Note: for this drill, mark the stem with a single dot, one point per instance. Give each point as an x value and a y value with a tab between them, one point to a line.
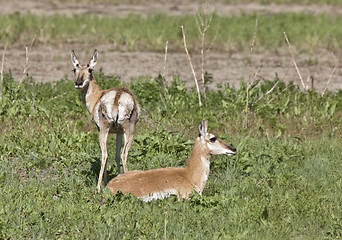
28	51
2	72
192	69
294	62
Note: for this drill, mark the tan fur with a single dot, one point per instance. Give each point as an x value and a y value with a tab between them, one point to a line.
160	183
106	114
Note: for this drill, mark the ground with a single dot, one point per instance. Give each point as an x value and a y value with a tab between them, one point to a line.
50	63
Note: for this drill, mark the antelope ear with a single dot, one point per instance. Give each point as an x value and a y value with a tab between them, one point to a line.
203	128
93	60
74	58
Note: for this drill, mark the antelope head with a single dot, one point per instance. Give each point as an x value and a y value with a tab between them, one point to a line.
215	145
83	73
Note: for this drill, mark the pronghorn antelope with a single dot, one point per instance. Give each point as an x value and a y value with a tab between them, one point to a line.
163	182
115	110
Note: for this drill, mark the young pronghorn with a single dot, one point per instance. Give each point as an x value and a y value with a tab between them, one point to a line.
115	110
163	182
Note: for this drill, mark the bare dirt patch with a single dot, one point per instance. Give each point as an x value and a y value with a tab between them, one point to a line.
51	63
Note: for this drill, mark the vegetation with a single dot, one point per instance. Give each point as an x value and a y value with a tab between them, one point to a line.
334	2
135	32
285	181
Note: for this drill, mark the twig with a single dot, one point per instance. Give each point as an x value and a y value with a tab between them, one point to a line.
203	26
192	69
255	76
331	74
268	92
254	34
28	51
213	41
165	58
246	110
249	70
202	64
276	96
164	76
2	71
294	61
257	71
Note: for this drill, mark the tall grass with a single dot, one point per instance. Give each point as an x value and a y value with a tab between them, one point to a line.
135	32
285	181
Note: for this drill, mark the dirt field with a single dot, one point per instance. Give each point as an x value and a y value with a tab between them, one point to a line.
50	63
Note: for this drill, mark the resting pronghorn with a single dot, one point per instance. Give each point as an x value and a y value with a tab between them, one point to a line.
114	110
163	182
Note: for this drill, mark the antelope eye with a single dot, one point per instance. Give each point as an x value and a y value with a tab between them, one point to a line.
213	139
77	65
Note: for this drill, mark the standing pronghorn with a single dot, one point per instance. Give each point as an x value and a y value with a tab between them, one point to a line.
163	182
115	110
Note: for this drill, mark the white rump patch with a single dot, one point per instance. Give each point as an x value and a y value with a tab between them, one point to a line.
159	195
125	107
108	101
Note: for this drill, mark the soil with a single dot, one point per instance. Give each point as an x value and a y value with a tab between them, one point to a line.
50	63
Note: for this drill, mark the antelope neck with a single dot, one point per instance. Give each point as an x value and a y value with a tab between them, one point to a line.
198	166
91	95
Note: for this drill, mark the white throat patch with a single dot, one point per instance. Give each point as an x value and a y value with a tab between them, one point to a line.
204	174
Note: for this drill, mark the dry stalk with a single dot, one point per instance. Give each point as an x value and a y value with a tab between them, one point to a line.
294	62
28	51
257	71
2	71
249	70
165	58
203	22
268	92
276	96
192	69
331	74
163	87
246	110
213	41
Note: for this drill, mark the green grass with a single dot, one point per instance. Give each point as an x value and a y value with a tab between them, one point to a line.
138	33
285	182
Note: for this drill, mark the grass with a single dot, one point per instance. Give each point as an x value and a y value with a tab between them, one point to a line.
134	32
285	181
334	2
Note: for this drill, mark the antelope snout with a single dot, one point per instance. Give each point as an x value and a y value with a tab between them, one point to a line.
232	150
78	84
